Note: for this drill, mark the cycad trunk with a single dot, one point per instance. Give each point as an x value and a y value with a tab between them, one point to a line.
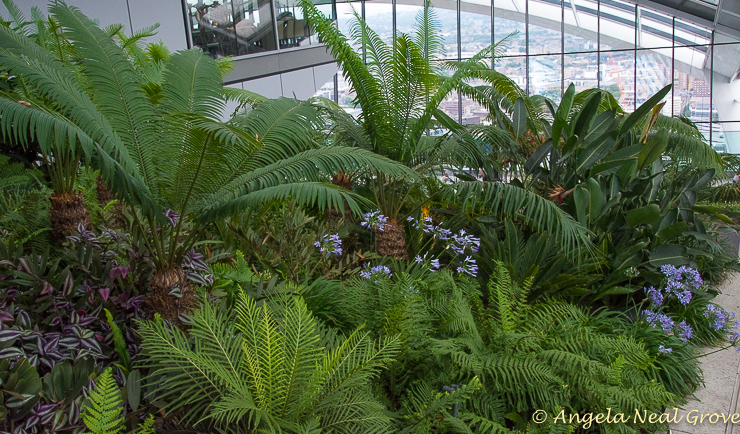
392	240
67	211
344	181
104	197
168	306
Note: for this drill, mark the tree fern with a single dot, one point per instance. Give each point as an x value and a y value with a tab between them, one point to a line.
267	368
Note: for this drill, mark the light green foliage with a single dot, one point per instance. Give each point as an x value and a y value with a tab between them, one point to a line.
102	414
526	356
268	369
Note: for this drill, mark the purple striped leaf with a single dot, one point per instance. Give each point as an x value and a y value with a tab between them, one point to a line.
47	289
11	352
68	284
24	264
7	336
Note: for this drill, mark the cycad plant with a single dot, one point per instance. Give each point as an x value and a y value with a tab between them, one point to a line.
267	369
399	87
159	141
62	156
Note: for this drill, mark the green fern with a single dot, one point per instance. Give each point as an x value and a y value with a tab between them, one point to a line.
102	414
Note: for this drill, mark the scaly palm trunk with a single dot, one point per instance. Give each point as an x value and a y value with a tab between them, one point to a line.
392	240
160	300
104	197
67	211
344	181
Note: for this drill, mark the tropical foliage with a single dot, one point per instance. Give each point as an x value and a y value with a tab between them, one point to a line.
167	266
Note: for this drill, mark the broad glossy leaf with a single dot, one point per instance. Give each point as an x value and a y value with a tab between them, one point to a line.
539	155
587	114
643	110
133	387
653	149
673	231
645	215
581	201
597	198
595	152
669	254
519	118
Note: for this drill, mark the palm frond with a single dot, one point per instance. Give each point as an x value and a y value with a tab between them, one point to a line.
510	201
686	143
119	95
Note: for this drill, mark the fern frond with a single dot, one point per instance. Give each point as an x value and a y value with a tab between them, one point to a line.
102	415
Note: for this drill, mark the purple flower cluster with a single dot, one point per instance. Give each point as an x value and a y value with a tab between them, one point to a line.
681	282
685	332
426	225
462	242
719	317
468	266
665	350
330	244
655	318
656	296
681	279
435	265
376	272
374	220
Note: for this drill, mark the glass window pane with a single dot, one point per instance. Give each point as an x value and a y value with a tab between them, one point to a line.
474	113
291	26
212	27
582	70
327	90
475	26
691	57
545	17
726	87
691	93
730	133
719	137
325	7
515	68
654	71
655	31
379	16
254	28
508	17
581	25
616	25
345	15
544	76
447	13
406	16
345	93
726	60
689	34
618	77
